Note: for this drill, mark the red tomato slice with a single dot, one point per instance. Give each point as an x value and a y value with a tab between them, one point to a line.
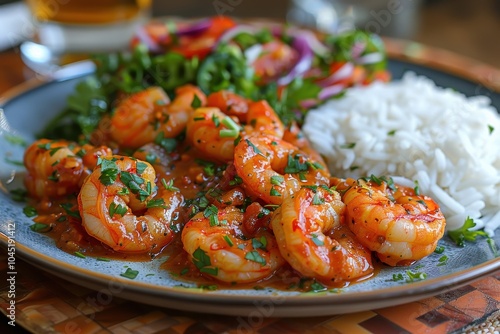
276	59
200	46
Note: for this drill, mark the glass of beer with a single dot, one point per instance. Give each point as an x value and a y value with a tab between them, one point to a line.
82	27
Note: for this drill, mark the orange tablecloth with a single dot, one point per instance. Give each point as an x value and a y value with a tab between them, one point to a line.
45	304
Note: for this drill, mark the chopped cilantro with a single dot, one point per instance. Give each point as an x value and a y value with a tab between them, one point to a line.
443	260
254	148
317	200
228	240
439	250
39	227
130	273
415	276
156	203
68	209
463	234
29	211
196	103
141	167
274	192
294	165
168	144
255	257
117	209
169	185
80	255
316	240
348	145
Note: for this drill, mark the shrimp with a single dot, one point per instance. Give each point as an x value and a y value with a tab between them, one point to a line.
395	222
229	103
218	248
204	132
312	238
258	116
272	169
111	196
261	118
294	135
57	168
140	118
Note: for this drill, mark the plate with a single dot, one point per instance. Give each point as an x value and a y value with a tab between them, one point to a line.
27	112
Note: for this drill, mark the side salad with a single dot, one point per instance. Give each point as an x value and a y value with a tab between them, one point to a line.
293	69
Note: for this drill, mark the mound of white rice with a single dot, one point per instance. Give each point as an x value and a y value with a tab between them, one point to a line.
413	130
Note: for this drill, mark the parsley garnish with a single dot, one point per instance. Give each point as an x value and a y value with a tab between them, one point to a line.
109	171
277	180
317	200
68	209
415	276
464	233
348	145
80	255
196	103
202	261
39	227
318	242
141	167
443	260
169	185
294	165
274	192
168	144
130	273
254	148
117	209
228	240
255	257
29	211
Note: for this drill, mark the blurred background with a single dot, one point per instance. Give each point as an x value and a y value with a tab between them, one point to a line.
471	28
466	27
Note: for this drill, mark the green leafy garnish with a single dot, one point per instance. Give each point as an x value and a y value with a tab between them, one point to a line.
318	242
202	261
130	273
29	211
68	208
80	255
463	234
277	180
415	276
117	209
255	257
196	102
41	228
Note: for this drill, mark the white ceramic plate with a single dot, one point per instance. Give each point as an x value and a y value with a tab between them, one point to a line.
27	112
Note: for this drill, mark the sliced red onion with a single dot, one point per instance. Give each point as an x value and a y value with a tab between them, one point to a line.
231	33
313	41
328	92
357	49
146	39
344	72
194	28
304	62
370	58
309	103
317	47
252	53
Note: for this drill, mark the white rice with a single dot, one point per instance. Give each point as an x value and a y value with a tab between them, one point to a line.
441	139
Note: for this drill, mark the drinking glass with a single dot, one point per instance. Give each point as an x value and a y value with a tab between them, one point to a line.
66	30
